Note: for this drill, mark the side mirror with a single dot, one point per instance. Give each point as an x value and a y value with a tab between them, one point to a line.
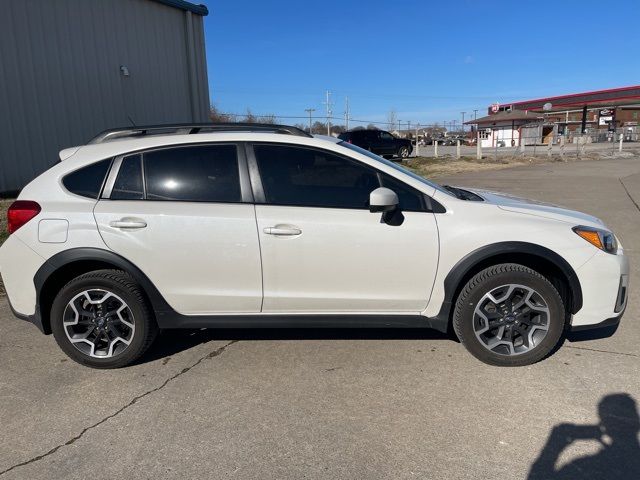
383	200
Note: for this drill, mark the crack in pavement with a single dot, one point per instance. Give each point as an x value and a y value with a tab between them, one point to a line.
629	194
135	400
603	351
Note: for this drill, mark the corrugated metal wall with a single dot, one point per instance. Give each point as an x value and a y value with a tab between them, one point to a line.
61	82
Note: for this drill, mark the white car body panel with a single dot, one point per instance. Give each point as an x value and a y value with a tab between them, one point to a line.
346	261
203	257
461	234
18	263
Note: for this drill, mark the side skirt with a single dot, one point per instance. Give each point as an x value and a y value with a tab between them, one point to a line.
170	320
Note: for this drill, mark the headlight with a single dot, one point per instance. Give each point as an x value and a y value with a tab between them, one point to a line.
603	239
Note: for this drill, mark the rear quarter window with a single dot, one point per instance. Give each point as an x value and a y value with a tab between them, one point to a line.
87	181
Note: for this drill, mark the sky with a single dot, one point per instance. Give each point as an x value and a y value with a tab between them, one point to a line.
428	61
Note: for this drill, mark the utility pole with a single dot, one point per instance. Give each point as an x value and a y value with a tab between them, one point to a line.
346	112
399	126
309	111
329	112
463	120
475	112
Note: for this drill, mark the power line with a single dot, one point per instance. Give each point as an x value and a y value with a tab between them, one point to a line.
310	116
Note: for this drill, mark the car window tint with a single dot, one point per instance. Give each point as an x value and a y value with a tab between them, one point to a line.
386	136
128	184
88	180
411	200
310	177
193	174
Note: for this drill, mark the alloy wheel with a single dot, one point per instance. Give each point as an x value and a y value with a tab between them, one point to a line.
511	319
98	323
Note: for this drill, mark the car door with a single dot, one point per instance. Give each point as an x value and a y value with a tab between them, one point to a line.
377	146
322	250
388	143
184	216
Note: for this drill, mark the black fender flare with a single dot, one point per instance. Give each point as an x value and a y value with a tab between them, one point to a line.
62	259
464	265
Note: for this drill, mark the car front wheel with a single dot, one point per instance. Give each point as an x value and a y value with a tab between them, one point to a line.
101	319
509	315
403	152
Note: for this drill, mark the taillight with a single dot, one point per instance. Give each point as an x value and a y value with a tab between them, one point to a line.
20	212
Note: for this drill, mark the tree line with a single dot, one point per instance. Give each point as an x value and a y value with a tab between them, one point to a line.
318	127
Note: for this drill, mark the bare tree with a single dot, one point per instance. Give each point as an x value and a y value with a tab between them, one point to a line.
359	127
371	126
392	119
269	118
250	117
337	129
216	116
319	128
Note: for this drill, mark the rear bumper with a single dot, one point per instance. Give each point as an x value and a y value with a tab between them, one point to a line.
36	319
18	264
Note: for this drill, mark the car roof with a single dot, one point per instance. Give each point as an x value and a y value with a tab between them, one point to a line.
122	146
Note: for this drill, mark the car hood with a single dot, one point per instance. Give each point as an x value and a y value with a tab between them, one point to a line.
512	203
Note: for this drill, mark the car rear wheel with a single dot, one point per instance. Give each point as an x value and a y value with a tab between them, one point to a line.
403	152
509	315
101	319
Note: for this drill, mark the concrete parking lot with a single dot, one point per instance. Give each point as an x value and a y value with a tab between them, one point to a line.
340	404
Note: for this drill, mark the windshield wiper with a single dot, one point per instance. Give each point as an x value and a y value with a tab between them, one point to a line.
455	191
463	194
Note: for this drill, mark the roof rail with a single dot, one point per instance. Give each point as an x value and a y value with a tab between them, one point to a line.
193	128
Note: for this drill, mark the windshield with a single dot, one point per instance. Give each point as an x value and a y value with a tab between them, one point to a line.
395	166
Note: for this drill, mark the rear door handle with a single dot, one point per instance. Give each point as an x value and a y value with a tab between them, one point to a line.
128	223
281	230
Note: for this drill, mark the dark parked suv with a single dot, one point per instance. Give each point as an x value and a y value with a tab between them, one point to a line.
379	142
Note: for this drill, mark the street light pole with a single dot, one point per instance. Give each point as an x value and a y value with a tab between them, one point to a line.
463	120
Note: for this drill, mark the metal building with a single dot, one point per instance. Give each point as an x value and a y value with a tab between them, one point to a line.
71	68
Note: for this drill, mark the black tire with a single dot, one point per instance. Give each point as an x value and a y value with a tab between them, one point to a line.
403	152
493	278
122	285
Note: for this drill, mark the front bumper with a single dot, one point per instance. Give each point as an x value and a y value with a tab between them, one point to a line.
605	289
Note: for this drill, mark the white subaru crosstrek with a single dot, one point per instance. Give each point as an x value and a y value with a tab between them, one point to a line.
194	226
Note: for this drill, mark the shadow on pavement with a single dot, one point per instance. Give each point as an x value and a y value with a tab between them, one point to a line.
617	433
171	342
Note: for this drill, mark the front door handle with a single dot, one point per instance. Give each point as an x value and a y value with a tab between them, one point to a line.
128	223
282	230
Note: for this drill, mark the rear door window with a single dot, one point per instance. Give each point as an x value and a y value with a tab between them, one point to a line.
128	184
206	173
